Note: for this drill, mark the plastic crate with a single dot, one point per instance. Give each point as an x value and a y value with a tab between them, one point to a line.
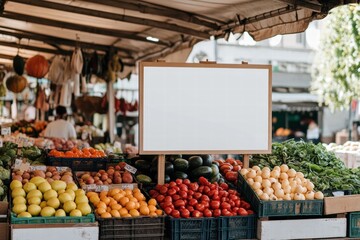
279	208
148	228
191	228
237	227
354	225
79	164
90	218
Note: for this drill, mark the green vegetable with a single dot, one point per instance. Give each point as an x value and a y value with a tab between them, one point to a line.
4	173
322	167
181	164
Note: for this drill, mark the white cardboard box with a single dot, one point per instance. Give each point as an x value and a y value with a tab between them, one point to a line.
79	231
301	229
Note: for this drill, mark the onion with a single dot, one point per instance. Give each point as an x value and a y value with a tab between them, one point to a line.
287	197
275	174
279	193
259	192
258	173
299	175
291	173
265	174
284	168
256	168
285	183
276	168
250	181
276	186
256	185
287	189
283	176
244	171
310	186
319	195
292	195
251	174
266	169
268	190
264	197
310	195
273	180
299	196
266	183
258	179
273	197
299	189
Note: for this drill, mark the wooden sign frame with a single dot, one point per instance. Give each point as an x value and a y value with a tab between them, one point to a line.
201	65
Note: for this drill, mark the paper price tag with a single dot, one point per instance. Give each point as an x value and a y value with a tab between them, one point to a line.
5	131
100	188
62	169
17	164
130	168
1	143
34	168
91	187
127	186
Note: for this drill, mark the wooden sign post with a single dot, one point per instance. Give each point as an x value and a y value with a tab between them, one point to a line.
204	108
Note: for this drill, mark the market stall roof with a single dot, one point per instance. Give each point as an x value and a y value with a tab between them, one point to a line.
147	29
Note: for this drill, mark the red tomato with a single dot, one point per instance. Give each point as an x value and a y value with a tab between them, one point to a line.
233	197
183	187
166	185
231	161
200	207
183	194
216	197
226	212
217	213
190	208
197	195
181	207
223	199
178	181
155	194
224	186
232	191
175	213
194	186
201	189
206	190
224	205
231	176
232	203
213	186
226	168
203	181
163	190
235	209
222	193
166	204
190	192
176	188
175	197
189	197
158	186
186	181
168	210
196	214
207	213
242	212
250	212
215	204
171	192
236	168
185	213
245	205
213	192
239	162
168	199
193	202
160	198
179	203
172	184
237	203
206	204
152	192
205	198
162	204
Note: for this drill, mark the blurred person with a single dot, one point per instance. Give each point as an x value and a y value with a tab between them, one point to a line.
313	132
60	128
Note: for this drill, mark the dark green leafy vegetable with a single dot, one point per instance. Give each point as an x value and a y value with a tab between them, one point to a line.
322	167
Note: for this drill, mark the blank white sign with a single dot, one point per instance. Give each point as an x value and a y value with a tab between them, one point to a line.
205	108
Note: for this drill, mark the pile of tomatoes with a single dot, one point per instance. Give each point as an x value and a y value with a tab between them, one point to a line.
229	168
77	153
182	198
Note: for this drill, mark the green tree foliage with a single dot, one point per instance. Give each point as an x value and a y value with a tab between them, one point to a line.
336	71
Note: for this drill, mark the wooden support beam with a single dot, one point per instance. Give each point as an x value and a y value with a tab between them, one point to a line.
34	48
315	7
161	11
55	40
80	27
8	57
117	17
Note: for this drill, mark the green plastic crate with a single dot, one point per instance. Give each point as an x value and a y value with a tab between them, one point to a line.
354	225
237	227
279	208
90	218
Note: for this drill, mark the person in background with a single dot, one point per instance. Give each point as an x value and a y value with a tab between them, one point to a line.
313	132
60	128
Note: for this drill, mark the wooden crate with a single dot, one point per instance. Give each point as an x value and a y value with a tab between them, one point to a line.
342	204
317	228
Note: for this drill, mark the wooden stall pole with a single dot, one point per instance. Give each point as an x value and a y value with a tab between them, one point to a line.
111	110
246	160
161	169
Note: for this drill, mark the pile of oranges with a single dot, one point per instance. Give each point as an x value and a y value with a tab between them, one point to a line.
123	203
77	153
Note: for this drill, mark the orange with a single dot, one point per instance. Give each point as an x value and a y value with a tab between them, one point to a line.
139	196
106	200
144	210
124	201
101	205
159	212
112	201
123	212
133	199
127	215
115	213
134	213
114	191
94	199
152	208
136	190
153	214
100	211
103	194
108	209
137	205
128	192
143	203
118	196
106	215
116	207
152	202
90	194
130	205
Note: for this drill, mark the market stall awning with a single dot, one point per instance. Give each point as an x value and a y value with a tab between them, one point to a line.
148	29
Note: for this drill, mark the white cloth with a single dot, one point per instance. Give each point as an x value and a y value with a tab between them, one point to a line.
313	133
60	129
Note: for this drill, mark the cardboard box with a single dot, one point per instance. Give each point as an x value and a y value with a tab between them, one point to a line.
4	208
4	231
324	228
341	204
76	231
